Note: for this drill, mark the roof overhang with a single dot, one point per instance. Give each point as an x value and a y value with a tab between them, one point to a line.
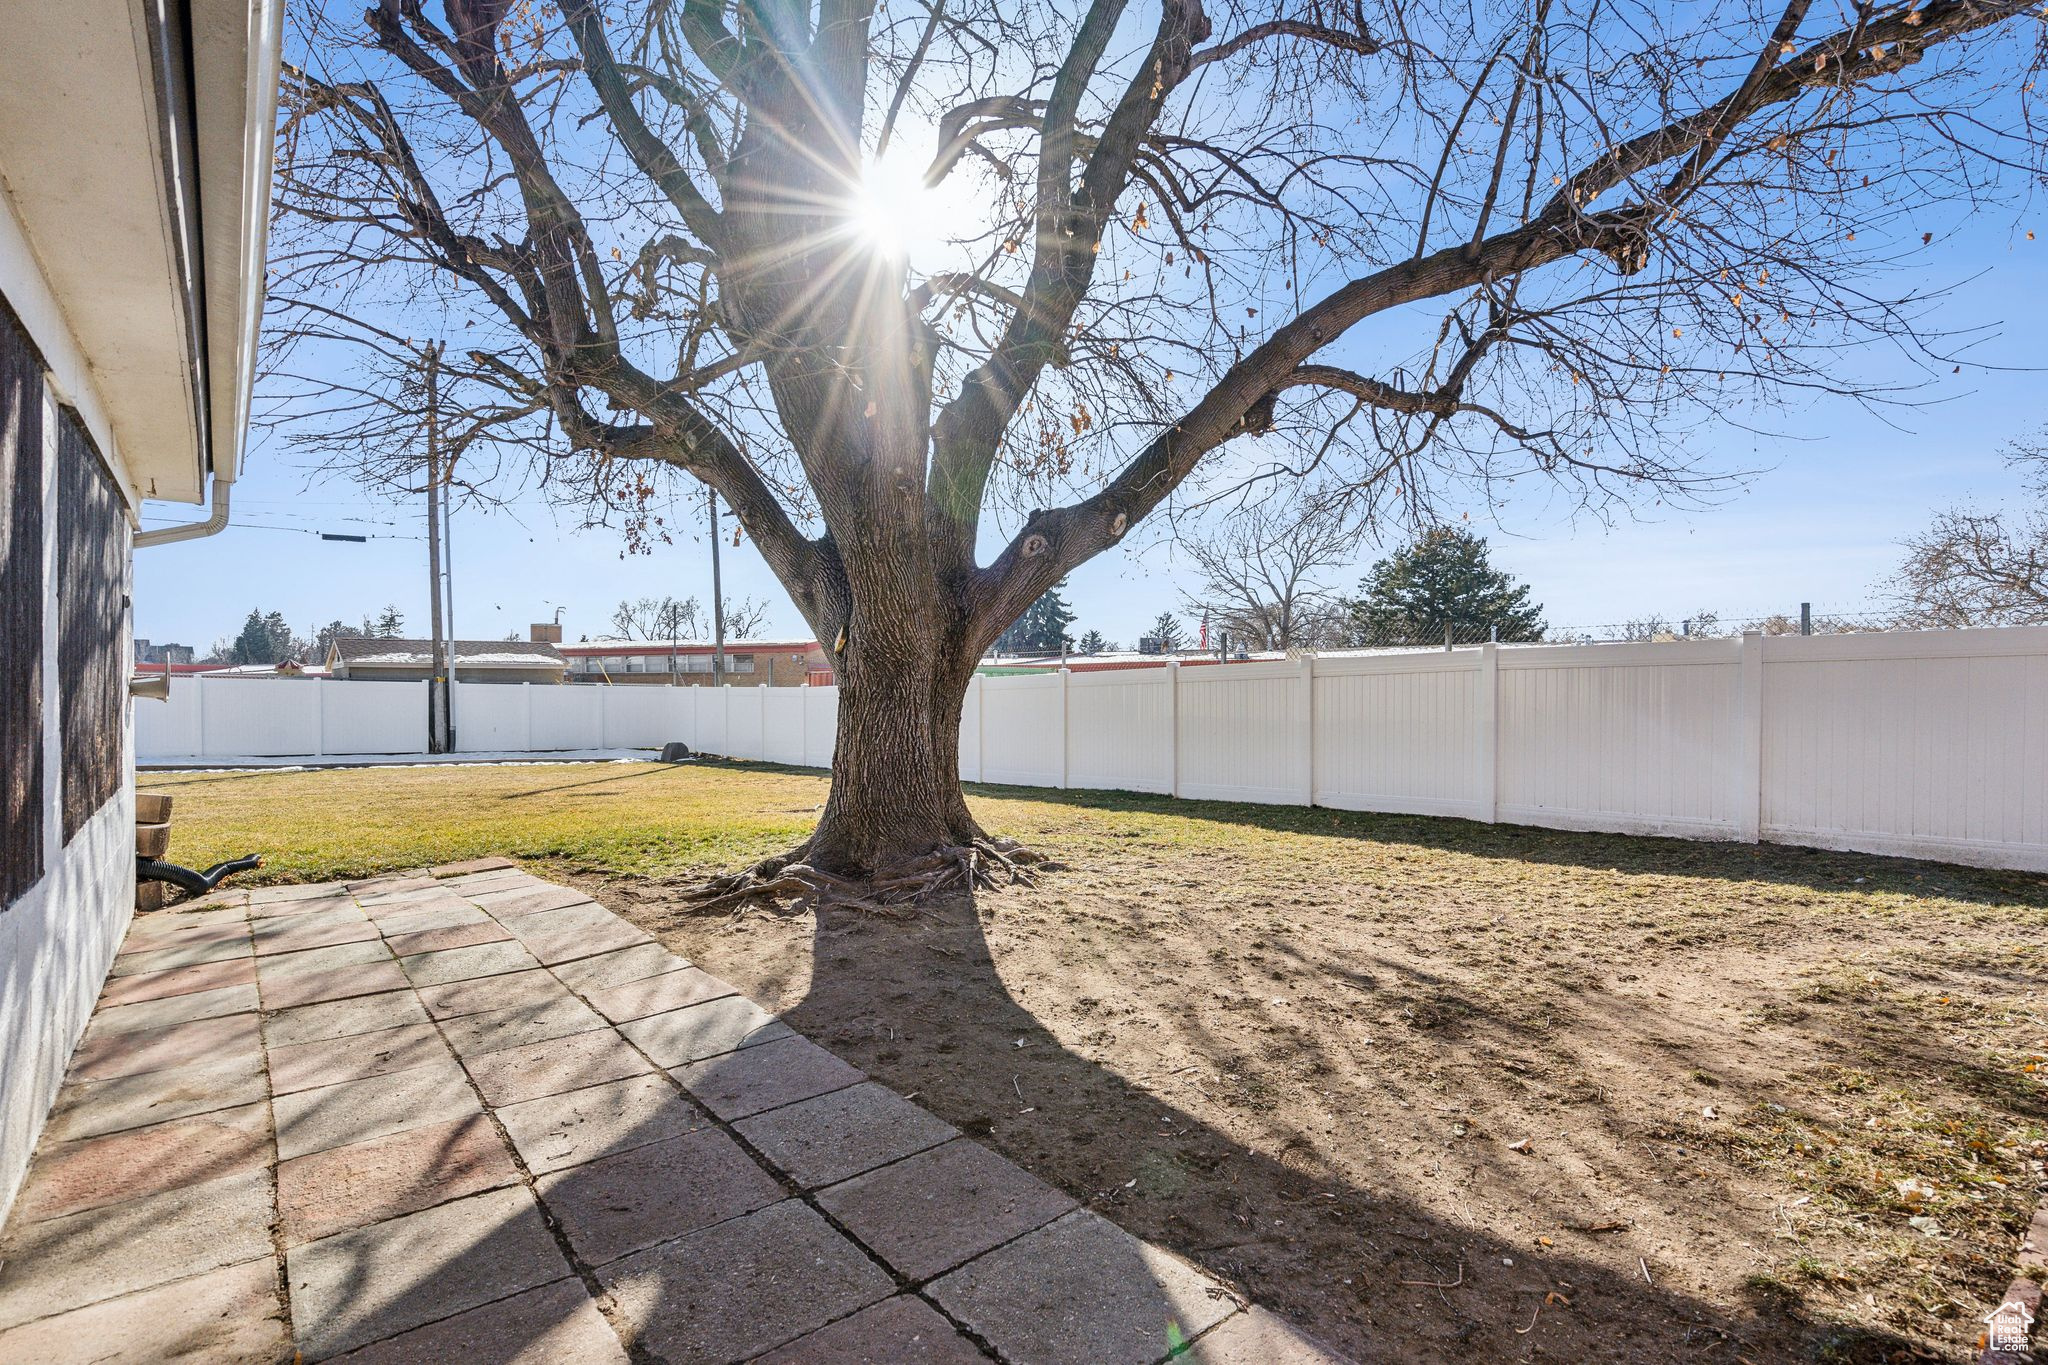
135	140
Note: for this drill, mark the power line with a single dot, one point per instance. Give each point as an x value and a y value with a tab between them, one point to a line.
300	531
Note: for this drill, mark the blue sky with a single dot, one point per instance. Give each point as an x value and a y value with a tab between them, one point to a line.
1840	487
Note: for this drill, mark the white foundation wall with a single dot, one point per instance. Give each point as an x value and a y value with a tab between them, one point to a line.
56	944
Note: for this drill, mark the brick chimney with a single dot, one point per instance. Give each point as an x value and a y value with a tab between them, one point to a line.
547	632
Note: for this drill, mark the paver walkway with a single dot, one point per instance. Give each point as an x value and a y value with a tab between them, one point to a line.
476	1116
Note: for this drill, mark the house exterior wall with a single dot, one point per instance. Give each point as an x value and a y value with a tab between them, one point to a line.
70	888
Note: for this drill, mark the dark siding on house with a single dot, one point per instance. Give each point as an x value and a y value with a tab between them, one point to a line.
92	658
21	612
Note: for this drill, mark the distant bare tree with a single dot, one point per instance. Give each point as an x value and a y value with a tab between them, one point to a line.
1982	568
1261	575
652	618
1404	246
669	618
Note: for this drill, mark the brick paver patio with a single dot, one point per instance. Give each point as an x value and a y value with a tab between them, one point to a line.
475	1116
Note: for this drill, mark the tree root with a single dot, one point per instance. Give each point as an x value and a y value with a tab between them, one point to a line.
790	882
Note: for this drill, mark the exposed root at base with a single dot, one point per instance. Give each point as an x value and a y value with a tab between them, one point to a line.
788	881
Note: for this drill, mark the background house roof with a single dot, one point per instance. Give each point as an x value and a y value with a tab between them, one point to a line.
386	652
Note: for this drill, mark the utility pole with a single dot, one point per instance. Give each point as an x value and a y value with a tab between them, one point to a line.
448	577
717	598
437	681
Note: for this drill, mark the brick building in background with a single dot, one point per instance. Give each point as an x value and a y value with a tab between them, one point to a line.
689	663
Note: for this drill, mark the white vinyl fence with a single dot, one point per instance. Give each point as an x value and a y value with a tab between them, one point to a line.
1928	744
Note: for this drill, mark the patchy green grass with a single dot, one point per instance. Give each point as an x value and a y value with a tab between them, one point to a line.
646	819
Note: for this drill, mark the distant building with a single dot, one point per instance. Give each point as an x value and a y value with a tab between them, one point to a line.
778	663
388	659
147	652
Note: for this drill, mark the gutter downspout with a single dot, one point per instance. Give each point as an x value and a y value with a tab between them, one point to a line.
215	523
266	20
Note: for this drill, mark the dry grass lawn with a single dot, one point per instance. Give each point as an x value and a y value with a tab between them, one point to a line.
1440	1091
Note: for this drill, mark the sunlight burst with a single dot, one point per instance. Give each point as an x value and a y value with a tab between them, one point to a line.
890	207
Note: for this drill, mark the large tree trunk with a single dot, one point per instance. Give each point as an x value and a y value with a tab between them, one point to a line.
896	796
896	827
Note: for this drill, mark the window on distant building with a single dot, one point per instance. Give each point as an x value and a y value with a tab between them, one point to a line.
739	663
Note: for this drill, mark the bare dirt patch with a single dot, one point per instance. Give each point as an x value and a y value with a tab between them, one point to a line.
1444	1092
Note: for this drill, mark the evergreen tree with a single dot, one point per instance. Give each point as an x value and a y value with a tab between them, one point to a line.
389	622
263	640
1442	579
1093	643
325	636
1169	632
1042	629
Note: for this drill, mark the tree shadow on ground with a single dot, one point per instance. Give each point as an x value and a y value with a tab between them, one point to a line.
1380	1271
1369	1270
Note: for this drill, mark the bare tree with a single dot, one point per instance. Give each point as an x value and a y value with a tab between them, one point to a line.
744	618
669	618
1977	568
1261	575
653	618
668	240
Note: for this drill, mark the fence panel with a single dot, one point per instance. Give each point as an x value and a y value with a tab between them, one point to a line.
564	716
259	717
821	719
1930	744
1239	732
711	713
970	731
1021	726
636	716
490	717
371	717
782	725
169	729
1637	738
743	717
1120	730
1401	733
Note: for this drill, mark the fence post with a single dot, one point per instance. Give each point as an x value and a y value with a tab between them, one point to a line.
1305	728
1173	727
1065	737
1749	791
1487	742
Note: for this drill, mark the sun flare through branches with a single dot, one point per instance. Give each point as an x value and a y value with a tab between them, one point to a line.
890	209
